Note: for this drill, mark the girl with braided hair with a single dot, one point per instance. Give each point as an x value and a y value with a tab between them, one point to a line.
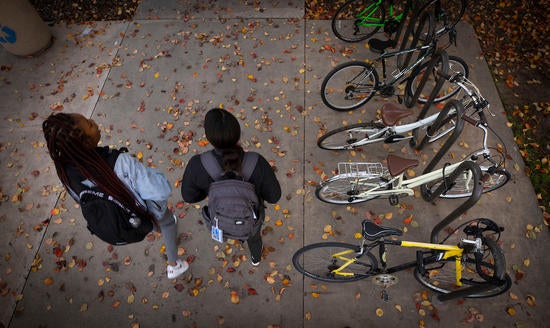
72	141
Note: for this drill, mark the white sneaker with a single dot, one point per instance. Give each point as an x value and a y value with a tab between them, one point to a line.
175	271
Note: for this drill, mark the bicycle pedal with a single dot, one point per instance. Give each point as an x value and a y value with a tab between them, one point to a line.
394	200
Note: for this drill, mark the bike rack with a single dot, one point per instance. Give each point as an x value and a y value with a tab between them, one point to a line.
471	201
459	108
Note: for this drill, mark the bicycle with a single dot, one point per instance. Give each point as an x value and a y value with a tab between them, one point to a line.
475	267
352	84
359	182
386	129
358	20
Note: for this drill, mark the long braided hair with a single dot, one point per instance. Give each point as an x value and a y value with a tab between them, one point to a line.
69	145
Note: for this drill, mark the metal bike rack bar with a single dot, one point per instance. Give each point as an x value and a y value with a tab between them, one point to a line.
471	201
459	108
439	55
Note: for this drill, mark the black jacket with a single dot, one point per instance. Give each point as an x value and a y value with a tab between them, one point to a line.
196	181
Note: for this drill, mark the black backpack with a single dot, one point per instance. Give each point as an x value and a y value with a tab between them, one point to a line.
106	217
232	202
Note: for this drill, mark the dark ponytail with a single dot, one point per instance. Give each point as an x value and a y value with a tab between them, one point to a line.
224	132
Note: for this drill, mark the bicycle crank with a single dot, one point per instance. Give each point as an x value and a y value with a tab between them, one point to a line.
385	280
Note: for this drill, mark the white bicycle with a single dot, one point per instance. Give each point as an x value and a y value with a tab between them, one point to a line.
360	182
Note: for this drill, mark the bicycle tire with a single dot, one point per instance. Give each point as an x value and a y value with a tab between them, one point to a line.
358	20
342	93
344	189
448	90
448	14
316	261
441	277
351	136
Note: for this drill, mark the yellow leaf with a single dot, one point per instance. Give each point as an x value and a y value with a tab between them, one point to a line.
511	311
139	155
531	300
157	75
48	281
131	298
315	294
398	307
235	297
379	312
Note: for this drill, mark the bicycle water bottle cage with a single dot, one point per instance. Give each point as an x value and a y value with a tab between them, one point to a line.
371	231
379	46
398	165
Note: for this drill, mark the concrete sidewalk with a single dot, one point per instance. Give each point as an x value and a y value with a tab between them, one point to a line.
148	84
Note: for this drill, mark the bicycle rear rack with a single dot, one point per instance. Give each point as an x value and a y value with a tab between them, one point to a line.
357	170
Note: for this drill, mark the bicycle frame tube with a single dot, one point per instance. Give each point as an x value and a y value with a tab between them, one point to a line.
365	18
347	261
430	176
411	126
402	186
420	60
449	252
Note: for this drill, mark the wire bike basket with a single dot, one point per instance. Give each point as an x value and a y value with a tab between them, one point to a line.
361	170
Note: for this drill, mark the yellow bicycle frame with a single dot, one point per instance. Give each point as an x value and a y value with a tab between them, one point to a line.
450	251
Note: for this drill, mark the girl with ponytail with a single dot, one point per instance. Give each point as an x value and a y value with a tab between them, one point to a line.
223	131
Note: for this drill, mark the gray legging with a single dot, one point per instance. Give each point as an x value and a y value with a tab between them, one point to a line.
168	228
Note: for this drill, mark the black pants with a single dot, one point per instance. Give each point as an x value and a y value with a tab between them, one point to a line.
255	245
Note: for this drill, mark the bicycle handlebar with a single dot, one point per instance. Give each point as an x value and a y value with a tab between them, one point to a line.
478	101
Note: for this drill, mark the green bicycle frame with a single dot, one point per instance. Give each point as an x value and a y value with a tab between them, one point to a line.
366	18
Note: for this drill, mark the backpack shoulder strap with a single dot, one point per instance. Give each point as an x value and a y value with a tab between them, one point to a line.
215	171
249	164
211	165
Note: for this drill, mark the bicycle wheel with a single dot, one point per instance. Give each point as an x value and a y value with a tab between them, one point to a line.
348	188
447	14
349	85
449	89
358	20
491	178
483	278
352	136
317	261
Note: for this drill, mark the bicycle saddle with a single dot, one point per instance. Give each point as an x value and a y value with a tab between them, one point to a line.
372	231
378	46
391	114
398	165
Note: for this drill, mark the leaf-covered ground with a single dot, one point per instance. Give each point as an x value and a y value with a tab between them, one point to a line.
513	35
